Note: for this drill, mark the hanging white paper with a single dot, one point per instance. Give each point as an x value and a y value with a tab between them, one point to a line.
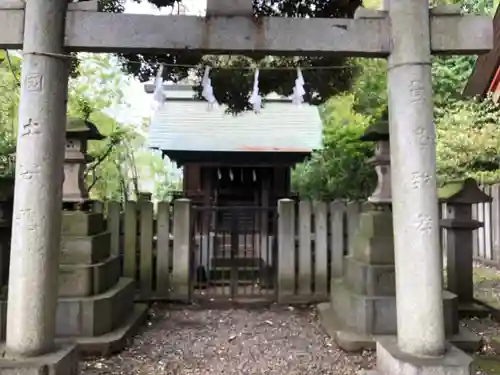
159	95
298	90
208	90
255	99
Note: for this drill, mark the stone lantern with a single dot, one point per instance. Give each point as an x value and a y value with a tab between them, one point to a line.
95	304
78	133
459	224
363	302
378	132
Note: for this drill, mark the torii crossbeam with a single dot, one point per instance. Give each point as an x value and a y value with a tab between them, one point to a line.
407	33
367	36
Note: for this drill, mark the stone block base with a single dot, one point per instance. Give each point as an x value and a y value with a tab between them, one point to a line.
391	361
84	280
63	361
85	249
352	341
376	315
95	315
111	342
473	309
78	223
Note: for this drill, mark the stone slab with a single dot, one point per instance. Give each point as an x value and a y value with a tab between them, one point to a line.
374	241
376	315
470	310
391	361
114	341
81	224
85	249
369	279
87	280
62	361
350	341
95	315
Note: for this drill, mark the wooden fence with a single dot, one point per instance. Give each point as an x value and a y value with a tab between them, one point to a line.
487	239
143	234
154	241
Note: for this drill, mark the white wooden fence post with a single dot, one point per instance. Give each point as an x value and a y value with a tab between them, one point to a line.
181	256
305	268
321	249
337	210
286	249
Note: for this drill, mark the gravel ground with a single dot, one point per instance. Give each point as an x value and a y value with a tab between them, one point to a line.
274	341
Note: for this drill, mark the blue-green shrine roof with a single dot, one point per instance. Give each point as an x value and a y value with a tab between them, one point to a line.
186	124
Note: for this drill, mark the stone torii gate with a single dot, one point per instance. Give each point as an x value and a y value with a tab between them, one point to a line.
406	33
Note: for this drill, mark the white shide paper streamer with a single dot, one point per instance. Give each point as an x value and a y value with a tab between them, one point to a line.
208	90
255	99
298	90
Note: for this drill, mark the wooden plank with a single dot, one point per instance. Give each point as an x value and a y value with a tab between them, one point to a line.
305	254
337	211
321	248
181	285
113	226
130	234
495	220
146	247
163	249
286	249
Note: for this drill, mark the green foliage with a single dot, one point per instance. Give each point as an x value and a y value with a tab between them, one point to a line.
233	89
9	100
468	141
97	86
339	170
467	136
121	158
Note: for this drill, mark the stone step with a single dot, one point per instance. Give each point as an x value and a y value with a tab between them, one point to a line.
95	315
86	249
86	280
376	315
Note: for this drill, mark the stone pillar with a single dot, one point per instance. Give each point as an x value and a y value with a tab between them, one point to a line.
413	158
286	249
363	303
36	230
